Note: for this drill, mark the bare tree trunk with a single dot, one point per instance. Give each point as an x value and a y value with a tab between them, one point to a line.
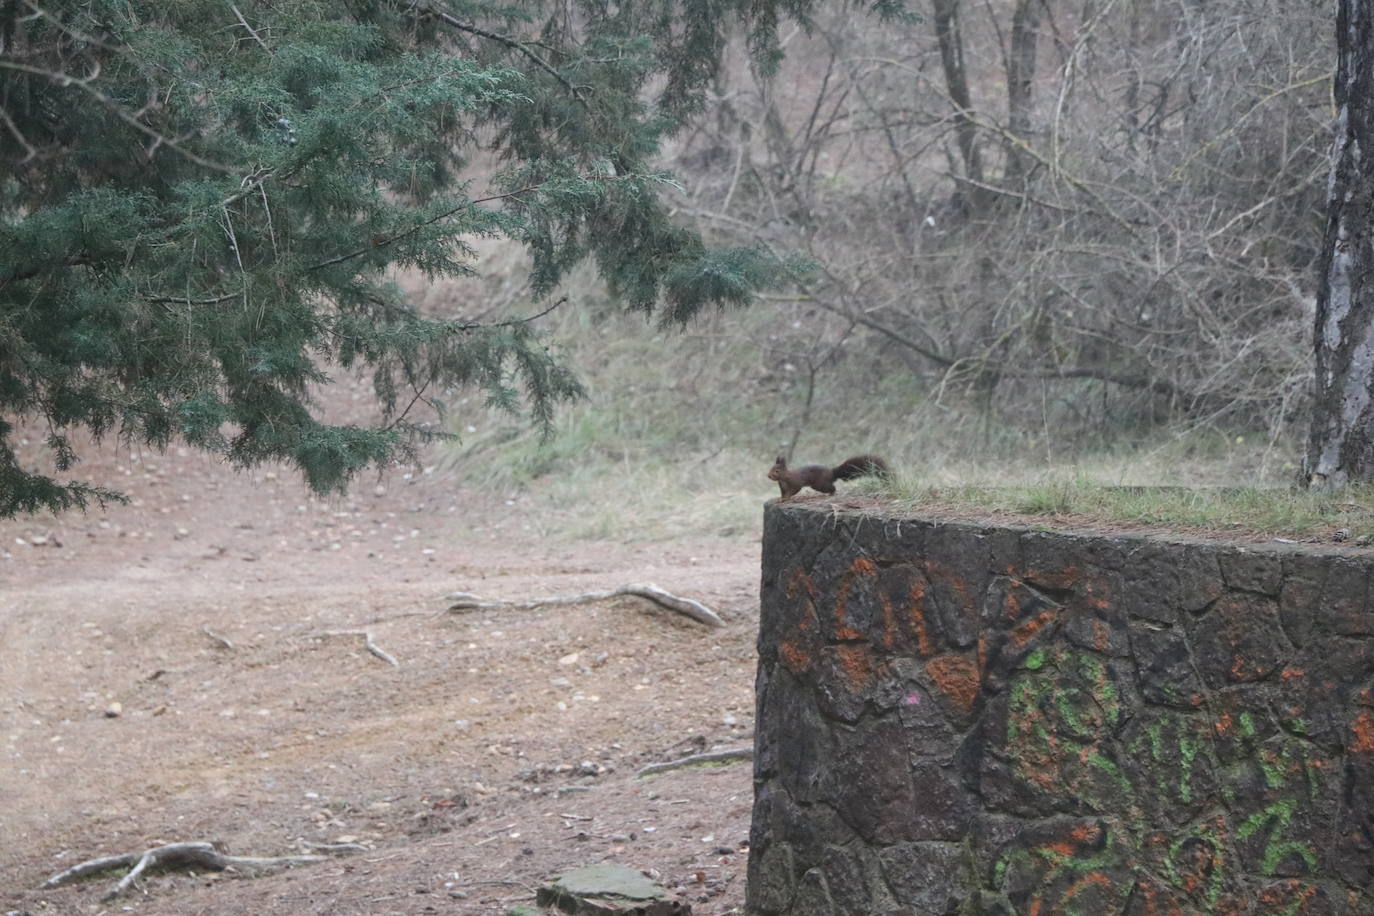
1025	34
1340	446
956	84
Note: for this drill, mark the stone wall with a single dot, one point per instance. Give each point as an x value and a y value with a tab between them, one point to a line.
965	719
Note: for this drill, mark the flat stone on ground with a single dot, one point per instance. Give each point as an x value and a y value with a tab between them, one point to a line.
605	889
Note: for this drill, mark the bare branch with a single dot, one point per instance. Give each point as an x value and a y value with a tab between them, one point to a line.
251	30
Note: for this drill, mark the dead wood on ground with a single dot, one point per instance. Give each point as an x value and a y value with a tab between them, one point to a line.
174	855
367	644
726	756
463	601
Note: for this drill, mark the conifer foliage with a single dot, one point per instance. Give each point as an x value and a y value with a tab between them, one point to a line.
200	202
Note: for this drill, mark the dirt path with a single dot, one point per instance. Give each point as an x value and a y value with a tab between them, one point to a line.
501	750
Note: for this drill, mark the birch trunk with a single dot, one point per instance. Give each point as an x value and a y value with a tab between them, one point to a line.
1340	446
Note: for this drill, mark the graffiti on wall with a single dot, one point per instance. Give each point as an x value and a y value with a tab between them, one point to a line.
1069	726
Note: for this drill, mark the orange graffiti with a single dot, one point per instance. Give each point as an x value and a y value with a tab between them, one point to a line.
1362	734
1078	836
1097	594
889	622
1011	608
1102	635
1022	635
1092	879
797	652
1153	906
935	570
1287	892
799	580
957	678
857	664
862	567
918	618
1064	578
794	657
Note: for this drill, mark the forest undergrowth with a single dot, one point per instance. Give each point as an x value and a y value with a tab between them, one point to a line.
678	428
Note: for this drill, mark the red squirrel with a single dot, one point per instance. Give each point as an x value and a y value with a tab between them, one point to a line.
820	478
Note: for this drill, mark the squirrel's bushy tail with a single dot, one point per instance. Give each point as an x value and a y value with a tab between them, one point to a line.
860	465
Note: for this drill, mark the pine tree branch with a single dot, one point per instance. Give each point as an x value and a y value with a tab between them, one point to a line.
66	80
387	240
186	300
67	29
509	42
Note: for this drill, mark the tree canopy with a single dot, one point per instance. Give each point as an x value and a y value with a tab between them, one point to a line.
202	203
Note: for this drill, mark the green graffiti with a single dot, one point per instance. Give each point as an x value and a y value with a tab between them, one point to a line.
1071	711
1156	742
1111	769
1188	747
1275	765
1272	770
1095	671
1279	813
1215	876
1060	712
1172	742
1054	864
1293	909
1025	711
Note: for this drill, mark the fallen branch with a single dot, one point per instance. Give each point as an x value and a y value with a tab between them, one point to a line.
174	855
727	756
336	847
367	644
686	606
222	640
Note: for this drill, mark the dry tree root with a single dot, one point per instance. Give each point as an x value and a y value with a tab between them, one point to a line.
686	606
726	756
174	855
367	644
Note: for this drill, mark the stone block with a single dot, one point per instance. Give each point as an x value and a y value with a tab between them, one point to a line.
1165	662
1239	640
1248	570
928	879
868	781
959	718
1344	608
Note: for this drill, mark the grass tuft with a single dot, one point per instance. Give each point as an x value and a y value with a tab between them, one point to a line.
1272	511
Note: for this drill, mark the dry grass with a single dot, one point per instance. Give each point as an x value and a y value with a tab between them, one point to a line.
680	426
1275	511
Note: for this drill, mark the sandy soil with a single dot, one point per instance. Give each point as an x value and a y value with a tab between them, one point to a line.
501	750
